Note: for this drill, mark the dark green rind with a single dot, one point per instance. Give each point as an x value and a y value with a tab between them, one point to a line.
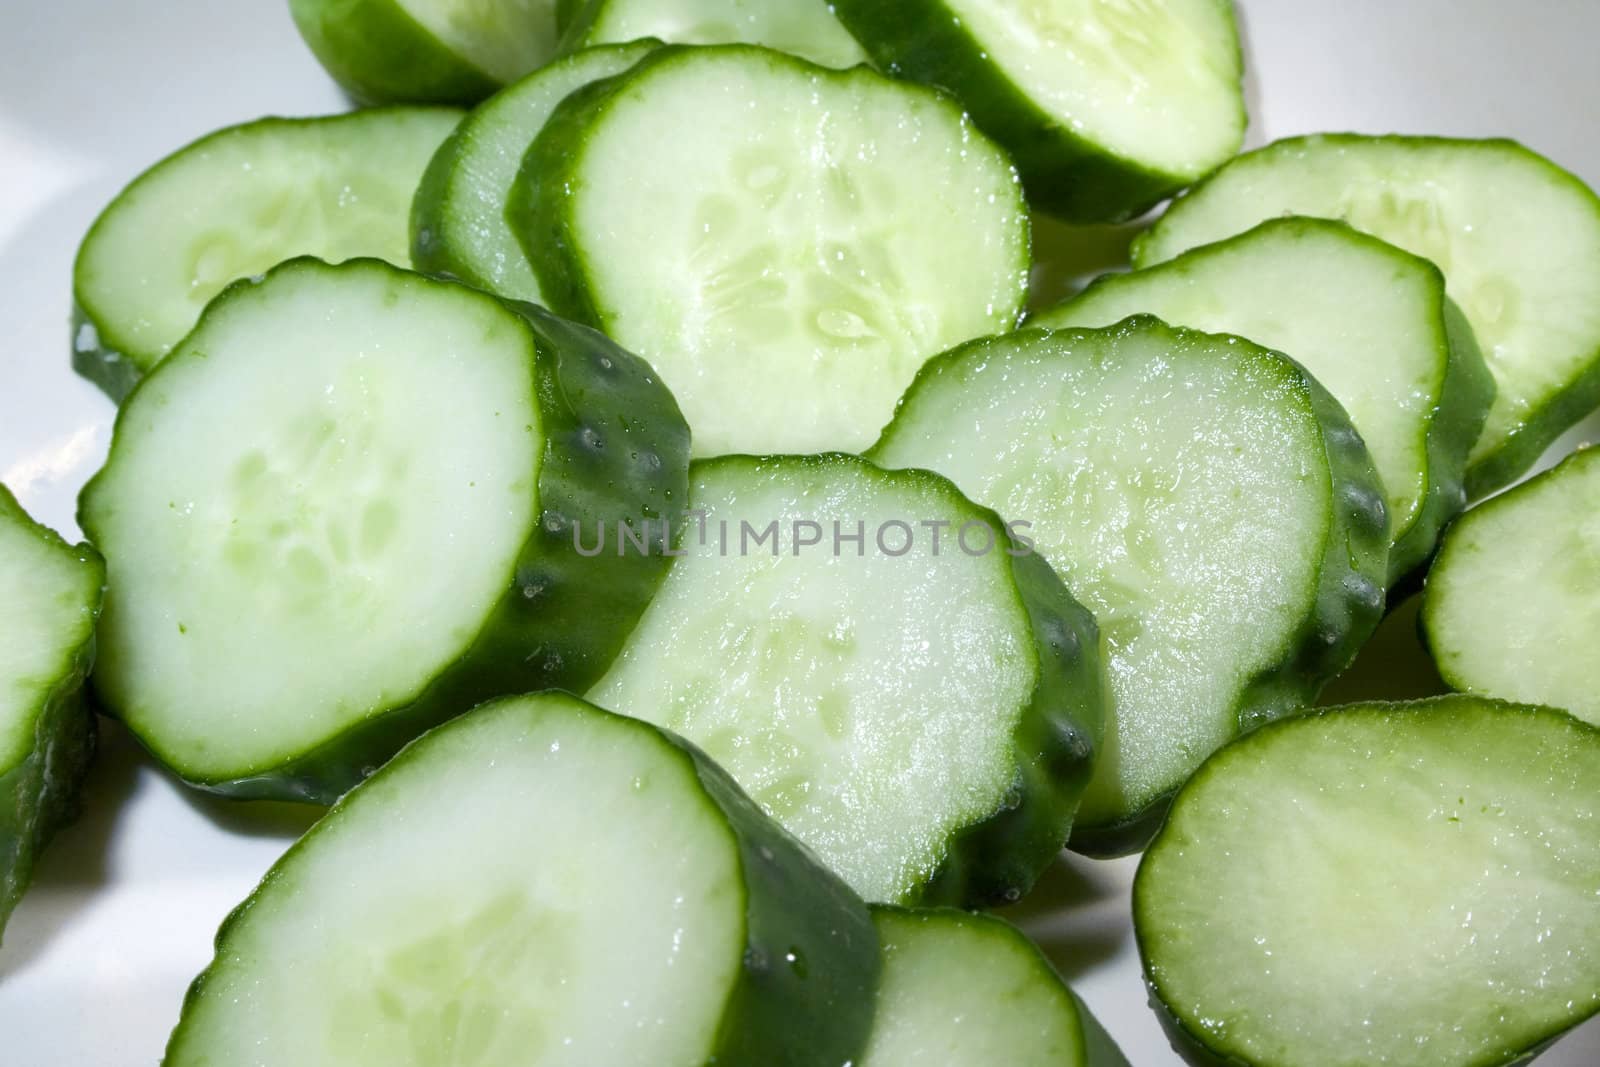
379	54
616	451
778	1015
1189	1042
39	793
566	12
1064	174
115	373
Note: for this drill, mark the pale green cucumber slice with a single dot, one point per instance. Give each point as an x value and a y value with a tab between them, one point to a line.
504	38
1512	605
1204	497
1517	237
805	28
1370	321
230	206
787	266
969	990
458	219
539	884
1380	884
922	717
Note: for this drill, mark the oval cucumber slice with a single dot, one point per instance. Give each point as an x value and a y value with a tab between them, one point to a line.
1204	497
1107	106
1517	237
1512	605
230	206
49	599
804	28
458	219
343	512
1372	323
923	718
539	883
785	281
1402	883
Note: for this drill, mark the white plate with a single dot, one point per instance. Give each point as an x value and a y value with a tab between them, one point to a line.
124	905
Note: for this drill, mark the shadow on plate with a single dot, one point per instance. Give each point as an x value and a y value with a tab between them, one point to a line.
1077	913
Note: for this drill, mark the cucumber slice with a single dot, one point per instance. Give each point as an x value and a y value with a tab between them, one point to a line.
1512	605
1380	884
232	205
458	219
539	883
343	512
966	990
427	51
49	600
923	751
805	28
1370	321
785	280
1108	106
1517	237
1204	497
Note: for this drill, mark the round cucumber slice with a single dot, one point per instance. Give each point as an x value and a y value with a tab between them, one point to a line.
1380	884
1372	323
1517	237
922	717
804	28
1107	106
458	219
1204	497
343	511
539	883
786	267
427	51
1512	605
49	599
230	206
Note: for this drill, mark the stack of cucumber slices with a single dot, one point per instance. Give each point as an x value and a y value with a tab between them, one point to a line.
638	509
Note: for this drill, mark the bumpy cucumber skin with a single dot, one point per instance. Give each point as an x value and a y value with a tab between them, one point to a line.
1064	174
379	54
1190	1043
616	451
1541	426
814	1010
39	793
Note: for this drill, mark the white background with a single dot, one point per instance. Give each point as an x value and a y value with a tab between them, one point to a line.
124	905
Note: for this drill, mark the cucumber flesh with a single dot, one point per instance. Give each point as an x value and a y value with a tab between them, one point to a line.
1202	496
1370	321
503	38
538	883
804	28
969	990
920	750
230	206
786	282
1380	884
1512	606
1517	237
458	219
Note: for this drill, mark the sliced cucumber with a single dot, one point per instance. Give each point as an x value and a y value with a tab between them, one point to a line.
1207	500
923	718
539	883
343	511
1512	606
232	205
1380	884
427	51
805	28
49	599
1108	106
1370	321
458	219
787	266
966	990
1517	237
